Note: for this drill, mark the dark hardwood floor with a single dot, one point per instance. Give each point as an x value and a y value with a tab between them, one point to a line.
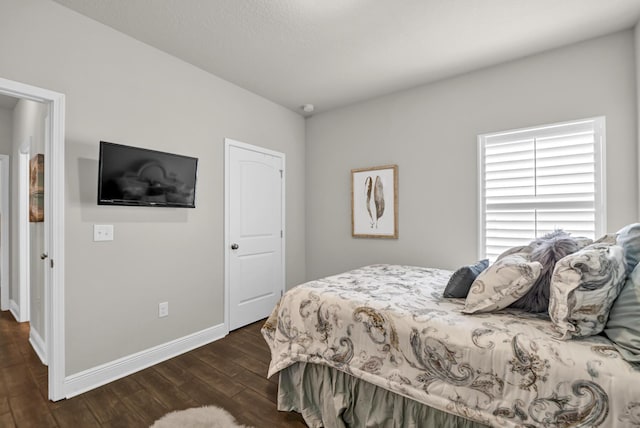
229	373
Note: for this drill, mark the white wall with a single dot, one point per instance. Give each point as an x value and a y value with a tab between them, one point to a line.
430	132
123	91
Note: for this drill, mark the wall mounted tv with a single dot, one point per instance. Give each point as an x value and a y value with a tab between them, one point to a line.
140	177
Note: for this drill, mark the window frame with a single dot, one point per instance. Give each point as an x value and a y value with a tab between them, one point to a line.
600	203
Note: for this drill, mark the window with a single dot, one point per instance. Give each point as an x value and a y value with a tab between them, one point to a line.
536	180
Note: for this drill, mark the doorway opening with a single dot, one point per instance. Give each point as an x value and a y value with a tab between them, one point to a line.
52	203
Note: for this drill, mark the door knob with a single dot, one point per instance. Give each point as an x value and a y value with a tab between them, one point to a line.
234	246
43	256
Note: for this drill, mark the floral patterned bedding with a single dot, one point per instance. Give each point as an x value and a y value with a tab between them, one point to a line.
389	325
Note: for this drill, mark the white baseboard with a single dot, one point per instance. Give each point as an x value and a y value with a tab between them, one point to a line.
100	375
38	345
14	308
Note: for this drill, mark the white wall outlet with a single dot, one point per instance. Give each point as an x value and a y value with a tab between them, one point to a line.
103	232
163	309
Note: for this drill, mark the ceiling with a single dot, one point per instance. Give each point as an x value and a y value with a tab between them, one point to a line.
332	53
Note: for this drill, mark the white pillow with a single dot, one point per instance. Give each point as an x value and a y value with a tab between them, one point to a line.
501	284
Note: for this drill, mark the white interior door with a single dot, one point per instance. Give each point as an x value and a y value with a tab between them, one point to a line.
255	234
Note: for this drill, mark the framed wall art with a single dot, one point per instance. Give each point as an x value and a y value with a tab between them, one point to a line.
374	202
36	188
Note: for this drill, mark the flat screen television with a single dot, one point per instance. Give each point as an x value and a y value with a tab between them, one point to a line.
140	177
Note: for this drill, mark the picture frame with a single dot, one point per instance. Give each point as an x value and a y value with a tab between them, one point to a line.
36	188
374	202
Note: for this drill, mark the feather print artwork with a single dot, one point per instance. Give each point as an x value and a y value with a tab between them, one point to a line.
378	194
377	200
368	182
374	202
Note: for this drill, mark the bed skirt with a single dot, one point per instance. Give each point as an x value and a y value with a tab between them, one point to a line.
326	397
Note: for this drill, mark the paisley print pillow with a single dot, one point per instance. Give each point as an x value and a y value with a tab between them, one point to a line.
523	250
504	282
583	287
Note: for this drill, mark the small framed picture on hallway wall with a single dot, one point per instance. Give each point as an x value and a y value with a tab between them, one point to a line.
36	188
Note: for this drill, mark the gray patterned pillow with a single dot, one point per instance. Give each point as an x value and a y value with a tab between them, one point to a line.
583	287
501	284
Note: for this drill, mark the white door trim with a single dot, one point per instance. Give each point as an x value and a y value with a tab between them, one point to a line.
24	244
4	232
54	227
228	143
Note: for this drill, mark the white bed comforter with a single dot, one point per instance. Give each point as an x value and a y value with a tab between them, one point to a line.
390	326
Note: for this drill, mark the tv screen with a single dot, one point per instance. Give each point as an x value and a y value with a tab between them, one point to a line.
141	177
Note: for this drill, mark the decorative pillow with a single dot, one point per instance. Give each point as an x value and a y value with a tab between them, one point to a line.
629	239
547	250
608	239
623	327
583	288
501	284
461	280
582	241
523	250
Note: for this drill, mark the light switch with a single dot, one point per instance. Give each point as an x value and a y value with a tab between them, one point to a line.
163	309
103	232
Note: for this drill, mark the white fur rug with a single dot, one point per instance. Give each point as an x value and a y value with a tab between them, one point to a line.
198	417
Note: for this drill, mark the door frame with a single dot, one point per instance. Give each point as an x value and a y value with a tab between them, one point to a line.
228	144
24	241
4	231
53	226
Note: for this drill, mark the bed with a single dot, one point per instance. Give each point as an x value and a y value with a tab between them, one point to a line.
381	346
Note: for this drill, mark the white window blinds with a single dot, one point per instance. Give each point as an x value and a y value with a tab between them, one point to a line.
536	180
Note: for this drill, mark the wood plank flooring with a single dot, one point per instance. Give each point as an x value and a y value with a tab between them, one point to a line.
229	373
